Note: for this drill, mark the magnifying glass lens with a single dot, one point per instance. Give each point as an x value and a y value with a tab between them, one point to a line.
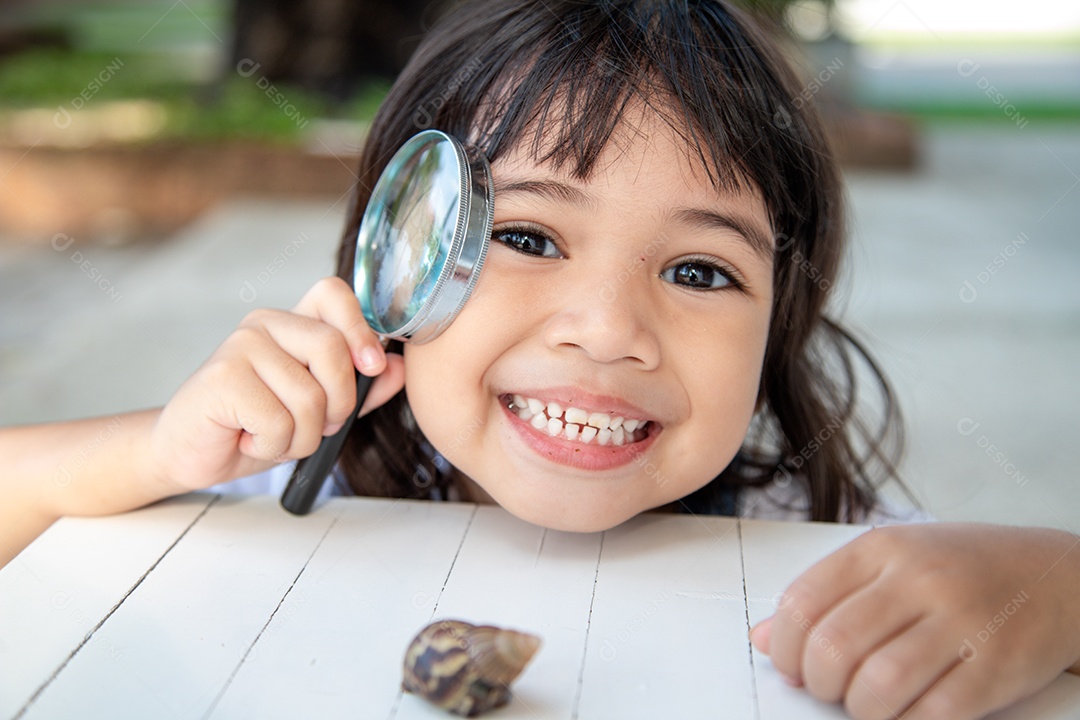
414	233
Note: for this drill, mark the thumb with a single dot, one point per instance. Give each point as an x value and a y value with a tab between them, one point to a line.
388	384
760	635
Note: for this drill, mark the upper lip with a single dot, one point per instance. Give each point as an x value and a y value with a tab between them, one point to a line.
570	396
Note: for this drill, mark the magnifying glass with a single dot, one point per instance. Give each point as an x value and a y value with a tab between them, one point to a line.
419	251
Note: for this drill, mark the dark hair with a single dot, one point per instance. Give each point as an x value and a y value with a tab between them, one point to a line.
507	72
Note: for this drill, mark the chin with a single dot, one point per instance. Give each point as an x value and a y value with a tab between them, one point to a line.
579	519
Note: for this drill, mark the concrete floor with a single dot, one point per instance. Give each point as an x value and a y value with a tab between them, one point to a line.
962	280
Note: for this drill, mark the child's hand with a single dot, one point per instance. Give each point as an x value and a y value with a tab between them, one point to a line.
277	385
969	618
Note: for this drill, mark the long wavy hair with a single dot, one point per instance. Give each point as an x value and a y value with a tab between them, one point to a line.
513	73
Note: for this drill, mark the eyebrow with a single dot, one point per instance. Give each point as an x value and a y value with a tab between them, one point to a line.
550	189
759	242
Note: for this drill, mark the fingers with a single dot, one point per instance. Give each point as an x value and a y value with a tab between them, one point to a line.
896	674
886	623
849	632
962	693
760	635
277	385
333	302
242	401
294	373
807	601
306	398
307	360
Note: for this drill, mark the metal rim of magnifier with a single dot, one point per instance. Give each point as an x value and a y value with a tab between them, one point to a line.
461	268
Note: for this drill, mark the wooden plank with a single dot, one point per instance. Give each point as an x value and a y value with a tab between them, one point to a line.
334	647
170	646
257	613
516	575
69	579
774	554
668	633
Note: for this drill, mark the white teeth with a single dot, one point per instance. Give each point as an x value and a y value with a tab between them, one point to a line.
574	423
599	421
577	416
554	427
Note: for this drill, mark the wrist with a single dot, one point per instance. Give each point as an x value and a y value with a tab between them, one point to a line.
152	470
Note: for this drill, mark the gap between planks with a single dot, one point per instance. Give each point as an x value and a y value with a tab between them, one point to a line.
71	656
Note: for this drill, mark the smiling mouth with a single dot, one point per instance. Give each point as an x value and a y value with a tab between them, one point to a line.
576	424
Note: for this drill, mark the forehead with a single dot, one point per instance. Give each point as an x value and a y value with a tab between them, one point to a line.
643	149
644	175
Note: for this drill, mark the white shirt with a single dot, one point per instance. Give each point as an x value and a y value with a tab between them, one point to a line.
769	502
776	502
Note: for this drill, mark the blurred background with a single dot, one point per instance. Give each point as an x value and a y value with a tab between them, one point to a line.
167	166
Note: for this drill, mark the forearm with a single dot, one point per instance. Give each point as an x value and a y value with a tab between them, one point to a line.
96	466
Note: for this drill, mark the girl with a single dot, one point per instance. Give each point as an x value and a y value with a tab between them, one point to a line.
648	332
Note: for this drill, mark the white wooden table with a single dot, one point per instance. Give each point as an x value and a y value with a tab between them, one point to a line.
210	606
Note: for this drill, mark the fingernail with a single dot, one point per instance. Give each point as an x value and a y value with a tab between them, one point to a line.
793	682
369	359
332	428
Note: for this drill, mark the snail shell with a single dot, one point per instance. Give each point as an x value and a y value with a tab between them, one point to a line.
466	669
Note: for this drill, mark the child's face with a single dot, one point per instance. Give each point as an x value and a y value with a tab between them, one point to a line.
618	296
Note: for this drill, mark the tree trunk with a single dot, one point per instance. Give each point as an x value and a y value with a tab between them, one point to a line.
328	47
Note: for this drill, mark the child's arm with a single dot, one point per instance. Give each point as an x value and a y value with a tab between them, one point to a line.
276	385
949	620
90	464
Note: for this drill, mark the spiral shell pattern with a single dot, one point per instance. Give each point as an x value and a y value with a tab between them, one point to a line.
466	669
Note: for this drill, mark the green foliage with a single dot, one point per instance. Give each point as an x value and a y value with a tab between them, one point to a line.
367	100
243	109
237	107
50	77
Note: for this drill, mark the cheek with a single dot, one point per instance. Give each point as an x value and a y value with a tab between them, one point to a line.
421	375
721	375
436	386
445	379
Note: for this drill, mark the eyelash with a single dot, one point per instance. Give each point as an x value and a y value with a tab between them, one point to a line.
726	272
525	230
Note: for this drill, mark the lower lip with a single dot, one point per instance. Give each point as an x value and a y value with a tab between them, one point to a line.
579	455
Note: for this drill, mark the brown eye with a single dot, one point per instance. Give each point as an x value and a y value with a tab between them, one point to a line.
527	242
698	275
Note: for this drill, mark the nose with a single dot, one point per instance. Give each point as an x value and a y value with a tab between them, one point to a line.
609	318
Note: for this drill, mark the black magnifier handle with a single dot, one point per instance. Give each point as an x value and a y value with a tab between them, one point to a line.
311	472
